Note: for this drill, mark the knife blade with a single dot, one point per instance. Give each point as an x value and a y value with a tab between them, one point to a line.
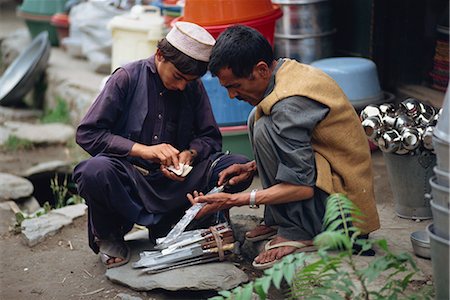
179	255
189	216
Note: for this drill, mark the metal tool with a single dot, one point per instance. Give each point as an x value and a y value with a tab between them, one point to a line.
181	254
189	216
181	264
195	239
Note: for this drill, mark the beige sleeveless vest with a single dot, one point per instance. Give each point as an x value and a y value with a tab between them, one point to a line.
341	148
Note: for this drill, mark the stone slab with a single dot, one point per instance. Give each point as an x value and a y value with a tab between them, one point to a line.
211	276
13	187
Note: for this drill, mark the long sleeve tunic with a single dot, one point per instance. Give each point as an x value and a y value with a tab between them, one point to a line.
135	107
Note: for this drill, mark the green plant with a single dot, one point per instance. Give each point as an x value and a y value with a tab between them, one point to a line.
14	143
336	276
59	191
62	195
59	114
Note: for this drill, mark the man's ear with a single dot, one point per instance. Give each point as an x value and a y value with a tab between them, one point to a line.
159	55
262	69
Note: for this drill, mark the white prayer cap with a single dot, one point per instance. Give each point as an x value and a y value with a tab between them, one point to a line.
191	39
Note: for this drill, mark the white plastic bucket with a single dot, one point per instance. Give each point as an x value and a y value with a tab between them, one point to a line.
135	35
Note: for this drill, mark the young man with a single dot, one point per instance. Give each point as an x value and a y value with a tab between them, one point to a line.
307	139
151	114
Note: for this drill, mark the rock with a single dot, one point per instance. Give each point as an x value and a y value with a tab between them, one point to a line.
71	211
53	166
123	296
14	187
7	217
13	45
53	133
4	134
241	224
210	276
19	114
28	205
35	230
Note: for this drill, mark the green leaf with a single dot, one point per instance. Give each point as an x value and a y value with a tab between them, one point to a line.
246	293
265	283
277	276
259	289
226	294
289	272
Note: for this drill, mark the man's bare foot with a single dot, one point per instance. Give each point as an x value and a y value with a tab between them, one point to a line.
260	232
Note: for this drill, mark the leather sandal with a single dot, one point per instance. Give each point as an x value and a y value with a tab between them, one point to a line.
113	249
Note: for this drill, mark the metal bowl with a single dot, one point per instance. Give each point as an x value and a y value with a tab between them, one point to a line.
20	77
421	243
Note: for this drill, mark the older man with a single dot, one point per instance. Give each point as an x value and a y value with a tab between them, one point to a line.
307	140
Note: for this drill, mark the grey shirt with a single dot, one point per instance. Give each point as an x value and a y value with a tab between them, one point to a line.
288	128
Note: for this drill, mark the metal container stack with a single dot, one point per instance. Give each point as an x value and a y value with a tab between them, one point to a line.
407	129
440	204
306	30
404	134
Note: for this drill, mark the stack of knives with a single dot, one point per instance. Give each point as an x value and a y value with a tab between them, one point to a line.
189	248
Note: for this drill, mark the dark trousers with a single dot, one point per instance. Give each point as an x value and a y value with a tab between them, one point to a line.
115	202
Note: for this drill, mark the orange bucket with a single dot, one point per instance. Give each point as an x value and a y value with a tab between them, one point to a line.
265	25
219	12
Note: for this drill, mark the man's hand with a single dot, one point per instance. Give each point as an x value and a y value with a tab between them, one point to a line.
187	157
214	202
165	154
237	173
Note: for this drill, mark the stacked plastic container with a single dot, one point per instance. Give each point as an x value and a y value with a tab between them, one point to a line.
142	28
38	14
440	204
215	16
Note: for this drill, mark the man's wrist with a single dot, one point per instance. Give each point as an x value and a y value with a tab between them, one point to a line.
252	203
193	152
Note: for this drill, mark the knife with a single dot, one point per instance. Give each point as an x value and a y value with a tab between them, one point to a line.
205	236
179	255
189	216
181	264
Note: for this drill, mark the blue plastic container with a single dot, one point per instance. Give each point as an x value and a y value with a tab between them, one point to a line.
228	112
358	78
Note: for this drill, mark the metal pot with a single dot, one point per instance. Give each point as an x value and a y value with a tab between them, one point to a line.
305	32
390	141
411	107
370	110
421	243
410	138
387	109
372	127
402	121
427	137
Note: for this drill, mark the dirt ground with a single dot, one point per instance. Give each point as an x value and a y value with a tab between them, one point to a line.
51	269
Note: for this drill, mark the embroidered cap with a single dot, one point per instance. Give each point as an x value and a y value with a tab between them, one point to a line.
191	39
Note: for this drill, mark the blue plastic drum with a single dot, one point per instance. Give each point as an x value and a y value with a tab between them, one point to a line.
228	112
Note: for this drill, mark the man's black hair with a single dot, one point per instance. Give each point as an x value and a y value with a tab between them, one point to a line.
240	48
185	64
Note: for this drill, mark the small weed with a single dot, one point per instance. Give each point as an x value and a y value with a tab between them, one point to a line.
62	195
14	143
60	114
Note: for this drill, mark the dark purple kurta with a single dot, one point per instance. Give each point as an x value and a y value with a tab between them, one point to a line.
133	107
